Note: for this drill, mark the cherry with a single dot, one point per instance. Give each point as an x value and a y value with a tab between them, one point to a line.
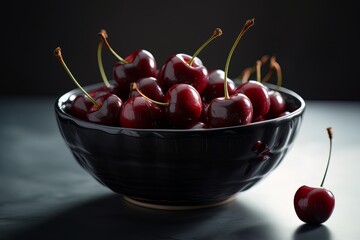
314	205
105	109
215	86
257	93
150	87
183	105
82	104
183	68
277	101
235	109
277	105
139	64
232	111
139	112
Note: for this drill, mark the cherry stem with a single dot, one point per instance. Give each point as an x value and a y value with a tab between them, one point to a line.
104	36
247	25
258	70
58	54
330	133
217	32
268	75
133	86
246	73
100	63
275	65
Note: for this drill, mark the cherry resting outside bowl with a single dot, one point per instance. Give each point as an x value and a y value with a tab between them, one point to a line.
180	169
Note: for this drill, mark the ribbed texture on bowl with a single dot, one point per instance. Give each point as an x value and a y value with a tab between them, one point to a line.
180	167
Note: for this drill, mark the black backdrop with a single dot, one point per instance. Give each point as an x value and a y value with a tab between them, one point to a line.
315	42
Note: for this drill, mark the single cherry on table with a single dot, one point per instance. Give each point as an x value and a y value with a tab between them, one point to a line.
314	205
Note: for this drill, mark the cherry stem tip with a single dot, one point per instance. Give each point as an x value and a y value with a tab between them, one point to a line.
330	134
217	32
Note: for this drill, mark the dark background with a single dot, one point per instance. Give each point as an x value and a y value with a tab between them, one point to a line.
315	42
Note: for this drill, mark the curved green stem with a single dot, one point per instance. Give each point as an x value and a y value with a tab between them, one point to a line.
267	76
330	133
134	86
104	36
247	25
58	54
217	33
100	63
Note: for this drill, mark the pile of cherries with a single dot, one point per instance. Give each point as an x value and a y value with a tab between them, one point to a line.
181	94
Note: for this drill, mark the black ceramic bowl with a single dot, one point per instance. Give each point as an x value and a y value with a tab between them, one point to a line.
176	169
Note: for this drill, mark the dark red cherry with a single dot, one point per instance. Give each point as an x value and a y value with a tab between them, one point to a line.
183	105
150	87
139	112
258	95
277	105
215	86
314	205
177	70
82	104
138	64
107	112
234	110
183	68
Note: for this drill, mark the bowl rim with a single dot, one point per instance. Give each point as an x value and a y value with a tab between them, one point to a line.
61	101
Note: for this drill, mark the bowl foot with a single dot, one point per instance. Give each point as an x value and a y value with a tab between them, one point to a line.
176	207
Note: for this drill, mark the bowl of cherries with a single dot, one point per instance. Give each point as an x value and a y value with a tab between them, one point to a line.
179	135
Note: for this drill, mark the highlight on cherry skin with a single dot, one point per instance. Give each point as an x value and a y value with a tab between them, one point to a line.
314	205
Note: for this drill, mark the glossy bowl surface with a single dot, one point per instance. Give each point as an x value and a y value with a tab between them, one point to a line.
171	167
